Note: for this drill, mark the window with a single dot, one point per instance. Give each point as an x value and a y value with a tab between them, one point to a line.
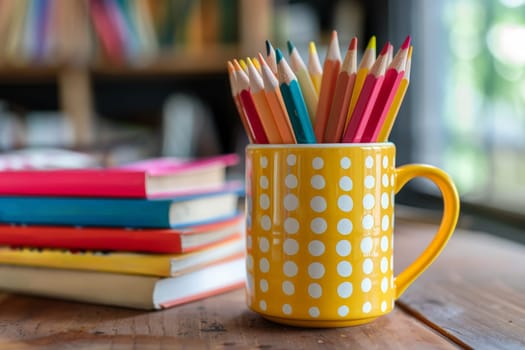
466	100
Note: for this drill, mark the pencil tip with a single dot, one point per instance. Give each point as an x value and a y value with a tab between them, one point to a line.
410	51
334	35
385	48
290	47
353	44
261	59
312	48
372	43
268	47
243	64
406	43
279	55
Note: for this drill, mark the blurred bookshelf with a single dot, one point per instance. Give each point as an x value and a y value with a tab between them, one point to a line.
73	43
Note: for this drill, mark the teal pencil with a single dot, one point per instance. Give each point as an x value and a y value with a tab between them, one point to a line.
294	101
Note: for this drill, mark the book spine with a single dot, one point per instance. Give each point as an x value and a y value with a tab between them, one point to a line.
85	212
113	184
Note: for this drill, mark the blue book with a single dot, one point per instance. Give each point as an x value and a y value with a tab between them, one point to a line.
145	213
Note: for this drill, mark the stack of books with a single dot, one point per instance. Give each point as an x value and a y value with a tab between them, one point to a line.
149	235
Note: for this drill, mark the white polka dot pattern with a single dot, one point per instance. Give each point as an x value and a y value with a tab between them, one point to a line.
319	233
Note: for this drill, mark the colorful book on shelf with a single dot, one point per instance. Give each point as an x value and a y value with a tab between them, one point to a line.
174	241
176	212
161	265
124	290
161	177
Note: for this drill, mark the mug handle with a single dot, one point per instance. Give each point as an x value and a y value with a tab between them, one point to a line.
450	195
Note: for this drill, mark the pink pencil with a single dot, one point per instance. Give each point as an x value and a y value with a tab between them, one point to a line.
367	97
249	105
331	67
393	77
343	93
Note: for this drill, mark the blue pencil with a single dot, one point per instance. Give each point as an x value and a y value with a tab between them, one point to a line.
294	101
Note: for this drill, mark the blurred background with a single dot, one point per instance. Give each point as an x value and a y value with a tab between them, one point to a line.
109	81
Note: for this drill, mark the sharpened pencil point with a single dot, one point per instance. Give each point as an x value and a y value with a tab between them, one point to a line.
262	62
268	47
372	43
231	69
406	43
312	47
410	52
279	55
353	44
384	50
290	47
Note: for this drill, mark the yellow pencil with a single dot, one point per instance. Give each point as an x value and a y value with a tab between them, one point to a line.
396	103
244	66
305	82
261	104
366	63
256	63
314	67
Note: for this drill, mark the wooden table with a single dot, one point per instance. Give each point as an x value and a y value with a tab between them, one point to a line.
472	297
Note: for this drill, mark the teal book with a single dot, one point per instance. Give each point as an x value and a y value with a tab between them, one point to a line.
175	212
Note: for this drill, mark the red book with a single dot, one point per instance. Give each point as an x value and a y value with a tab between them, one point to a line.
155	178
136	240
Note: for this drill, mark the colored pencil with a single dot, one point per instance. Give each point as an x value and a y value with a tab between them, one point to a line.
314	67
396	103
305	82
243	65
261	104
270	57
366	63
236	99
248	104
331	68
256	64
294	102
276	103
343	92
393	76
363	108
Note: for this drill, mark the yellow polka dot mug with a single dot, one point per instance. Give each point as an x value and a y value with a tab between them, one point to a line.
319	229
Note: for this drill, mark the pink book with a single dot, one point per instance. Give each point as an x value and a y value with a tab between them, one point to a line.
153	178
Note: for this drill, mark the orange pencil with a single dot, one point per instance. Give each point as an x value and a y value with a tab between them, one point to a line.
248	104
343	92
314	67
305	82
366	63
386	94
240	110
261	104
396	103
363	108
270	57
331	67
276	103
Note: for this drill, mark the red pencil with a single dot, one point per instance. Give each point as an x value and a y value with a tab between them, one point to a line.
237	100
367	97
393	77
331	67
343	92
249	105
